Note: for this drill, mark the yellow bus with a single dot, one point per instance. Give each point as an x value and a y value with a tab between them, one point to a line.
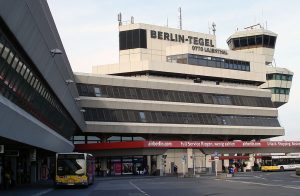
280	162
74	169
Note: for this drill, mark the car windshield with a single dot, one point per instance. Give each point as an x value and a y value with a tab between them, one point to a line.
71	165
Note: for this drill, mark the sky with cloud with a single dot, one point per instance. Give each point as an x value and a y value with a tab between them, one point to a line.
89	32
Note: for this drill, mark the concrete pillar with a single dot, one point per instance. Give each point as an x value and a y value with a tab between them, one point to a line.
160	166
226	163
103	163
251	162
208	163
190	160
149	164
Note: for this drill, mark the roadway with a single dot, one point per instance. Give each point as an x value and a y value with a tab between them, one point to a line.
247	184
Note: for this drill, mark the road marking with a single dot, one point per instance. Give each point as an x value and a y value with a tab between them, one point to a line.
263	184
259	177
135	186
43	192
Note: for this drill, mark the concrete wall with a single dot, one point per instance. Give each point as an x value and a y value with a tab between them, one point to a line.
33	26
18	125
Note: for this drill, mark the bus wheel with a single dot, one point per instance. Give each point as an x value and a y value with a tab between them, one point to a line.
281	168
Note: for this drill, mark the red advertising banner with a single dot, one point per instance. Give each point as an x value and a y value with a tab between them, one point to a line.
187	144
220	144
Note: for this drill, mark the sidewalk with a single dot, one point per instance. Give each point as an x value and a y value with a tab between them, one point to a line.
35	189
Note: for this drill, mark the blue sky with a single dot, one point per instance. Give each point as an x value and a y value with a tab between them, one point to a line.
89	32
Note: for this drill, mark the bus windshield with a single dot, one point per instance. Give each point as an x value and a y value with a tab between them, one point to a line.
71	164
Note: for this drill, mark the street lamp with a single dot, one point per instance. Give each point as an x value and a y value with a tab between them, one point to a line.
77	99
55	51
82	110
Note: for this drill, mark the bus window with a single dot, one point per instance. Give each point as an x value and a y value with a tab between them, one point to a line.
70	165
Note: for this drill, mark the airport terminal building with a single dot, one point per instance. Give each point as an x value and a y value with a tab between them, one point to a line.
176	85
37	107
171	88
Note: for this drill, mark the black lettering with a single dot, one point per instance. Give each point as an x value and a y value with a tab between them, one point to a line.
201	42
176	37
153	34
196	40
172	38
190	39
160	35
206	42
166	36
211	44
181	38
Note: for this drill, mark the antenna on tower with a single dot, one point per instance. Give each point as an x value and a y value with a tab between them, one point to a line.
167	22
214	28
120	19
208	27
132	20
180	18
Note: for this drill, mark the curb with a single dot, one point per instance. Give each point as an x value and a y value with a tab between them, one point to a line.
295	176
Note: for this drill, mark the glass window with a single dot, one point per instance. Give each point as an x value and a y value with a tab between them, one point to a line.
15	62
10	57
272	41
129	39
32	81
114	138
243	41
266	40
1	47
143	38
270	76
135	38
29	76
122	40
211	63
251	40
258	39
193	61
5	52
142	116
236	42
278	77
133	93
97	92
126	139
138	138
20	64
23	70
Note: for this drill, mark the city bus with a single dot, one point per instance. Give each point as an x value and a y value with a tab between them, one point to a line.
280	162
74	169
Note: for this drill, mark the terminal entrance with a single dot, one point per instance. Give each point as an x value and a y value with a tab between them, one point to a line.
125	165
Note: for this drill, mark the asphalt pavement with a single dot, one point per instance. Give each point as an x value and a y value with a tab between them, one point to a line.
246	184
